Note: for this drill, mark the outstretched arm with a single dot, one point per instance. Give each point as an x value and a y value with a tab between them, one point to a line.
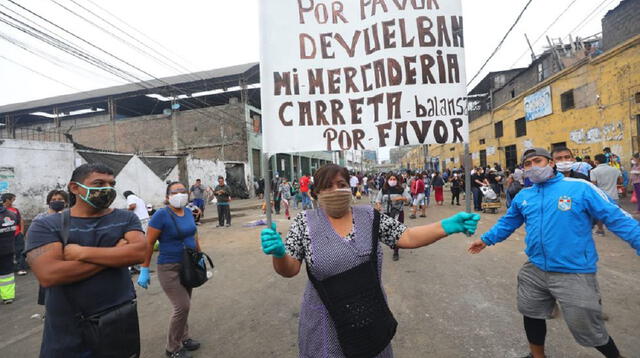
616	219
428	234
505	226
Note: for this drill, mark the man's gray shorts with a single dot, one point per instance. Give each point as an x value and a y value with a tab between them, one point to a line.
578	296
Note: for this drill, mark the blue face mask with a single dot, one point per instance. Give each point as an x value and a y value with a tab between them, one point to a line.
539	175
100	197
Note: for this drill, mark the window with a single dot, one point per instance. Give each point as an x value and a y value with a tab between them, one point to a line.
521	127
499	81
511	154
452	149
498	129
566	100
637	97
513	93
482	141
540	72
483	158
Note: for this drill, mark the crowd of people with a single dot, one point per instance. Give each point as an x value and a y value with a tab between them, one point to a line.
84	253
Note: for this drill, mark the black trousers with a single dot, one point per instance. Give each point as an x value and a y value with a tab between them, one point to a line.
224	213
455	195
20	259
276	206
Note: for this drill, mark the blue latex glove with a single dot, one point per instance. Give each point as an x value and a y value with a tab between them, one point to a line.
272	242
143	278
461	222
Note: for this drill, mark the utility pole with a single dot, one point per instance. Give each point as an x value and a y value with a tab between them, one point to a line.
555	54
533	54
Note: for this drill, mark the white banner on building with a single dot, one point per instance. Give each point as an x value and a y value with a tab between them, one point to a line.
538	105
367	74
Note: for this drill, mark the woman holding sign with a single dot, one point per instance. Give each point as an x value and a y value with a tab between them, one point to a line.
344	312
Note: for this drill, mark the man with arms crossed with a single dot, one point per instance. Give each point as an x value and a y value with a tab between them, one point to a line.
89	275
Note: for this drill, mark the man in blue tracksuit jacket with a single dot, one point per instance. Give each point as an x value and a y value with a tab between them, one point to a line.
558	213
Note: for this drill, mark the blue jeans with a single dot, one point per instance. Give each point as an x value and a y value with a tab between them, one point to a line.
477	198
306	201
427	195
199	203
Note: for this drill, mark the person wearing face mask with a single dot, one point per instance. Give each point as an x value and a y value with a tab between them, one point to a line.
565	162
391	201
344	310
57	200
20	267
83	267
174	227
562	257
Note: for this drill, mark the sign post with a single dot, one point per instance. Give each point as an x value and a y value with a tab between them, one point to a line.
342	75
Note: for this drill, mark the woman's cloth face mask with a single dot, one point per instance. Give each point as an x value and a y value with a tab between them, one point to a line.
336	203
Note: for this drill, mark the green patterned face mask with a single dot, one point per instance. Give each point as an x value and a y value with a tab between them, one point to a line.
99	198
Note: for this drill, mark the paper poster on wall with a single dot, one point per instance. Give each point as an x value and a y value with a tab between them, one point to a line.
538	105
356	75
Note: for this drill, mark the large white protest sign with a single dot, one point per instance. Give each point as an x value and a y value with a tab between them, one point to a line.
361	74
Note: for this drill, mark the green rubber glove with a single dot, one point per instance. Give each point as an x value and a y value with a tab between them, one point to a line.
272	242
461	222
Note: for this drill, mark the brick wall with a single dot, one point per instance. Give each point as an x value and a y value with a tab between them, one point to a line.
215	133
621	24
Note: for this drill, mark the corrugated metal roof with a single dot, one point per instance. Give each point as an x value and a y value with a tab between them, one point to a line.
129	88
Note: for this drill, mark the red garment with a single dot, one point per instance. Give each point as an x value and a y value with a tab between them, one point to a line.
438	191
417	187
304	184
18	218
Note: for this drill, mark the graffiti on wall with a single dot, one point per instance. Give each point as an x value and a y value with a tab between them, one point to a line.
609	133
7	175
528	143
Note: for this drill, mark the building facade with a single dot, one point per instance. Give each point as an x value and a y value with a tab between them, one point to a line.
584	95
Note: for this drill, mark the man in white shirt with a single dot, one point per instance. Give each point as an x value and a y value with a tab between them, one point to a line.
138	206
353	182
607	179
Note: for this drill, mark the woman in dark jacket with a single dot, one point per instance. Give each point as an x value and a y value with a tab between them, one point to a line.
391	201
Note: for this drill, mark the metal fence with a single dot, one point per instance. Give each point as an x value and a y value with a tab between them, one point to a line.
35	134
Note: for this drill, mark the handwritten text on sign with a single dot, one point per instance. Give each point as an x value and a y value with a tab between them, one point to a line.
362	74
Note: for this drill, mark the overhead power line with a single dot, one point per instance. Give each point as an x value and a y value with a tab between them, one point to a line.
501	41
110	33
145	36
587	18
65	46
85	56
38	73
544	32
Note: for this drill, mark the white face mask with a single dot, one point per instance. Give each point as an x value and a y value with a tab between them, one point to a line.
178	200
539	175
393	183
564	166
